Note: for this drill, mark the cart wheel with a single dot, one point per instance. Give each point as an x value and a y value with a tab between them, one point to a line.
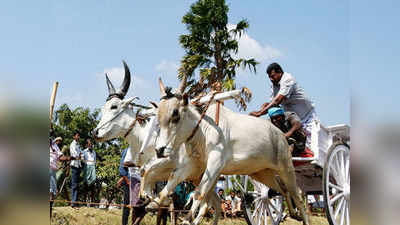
258	208
336	184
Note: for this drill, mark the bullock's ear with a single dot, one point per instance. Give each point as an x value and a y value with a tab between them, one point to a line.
185	99
128	101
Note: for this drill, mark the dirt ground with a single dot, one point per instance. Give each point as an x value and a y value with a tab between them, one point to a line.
94	216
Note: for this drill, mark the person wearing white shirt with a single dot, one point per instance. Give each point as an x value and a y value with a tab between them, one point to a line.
76	154
234	201
291	96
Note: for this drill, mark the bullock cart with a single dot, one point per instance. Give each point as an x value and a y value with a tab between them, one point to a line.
327	173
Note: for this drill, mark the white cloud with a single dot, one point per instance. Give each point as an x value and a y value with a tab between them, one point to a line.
138	81
250	48
116	75
168	67
75	99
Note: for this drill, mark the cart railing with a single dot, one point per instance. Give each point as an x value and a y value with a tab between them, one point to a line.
321	139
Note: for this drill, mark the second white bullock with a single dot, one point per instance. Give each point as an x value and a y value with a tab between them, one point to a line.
240	144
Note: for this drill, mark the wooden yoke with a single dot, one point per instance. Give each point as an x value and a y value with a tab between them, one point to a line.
216	96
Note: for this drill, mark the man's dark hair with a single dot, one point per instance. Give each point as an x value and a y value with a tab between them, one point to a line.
274	66
76	132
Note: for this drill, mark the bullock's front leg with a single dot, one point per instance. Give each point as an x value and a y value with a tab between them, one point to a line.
213	200
215	163
154	171
202	212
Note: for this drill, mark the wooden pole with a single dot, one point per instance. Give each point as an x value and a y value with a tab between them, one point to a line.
52	101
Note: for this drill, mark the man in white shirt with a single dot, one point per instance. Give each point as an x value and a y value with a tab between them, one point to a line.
235	203
286	92
76	166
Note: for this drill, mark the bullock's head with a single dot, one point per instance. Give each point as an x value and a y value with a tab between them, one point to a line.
115	118
175	125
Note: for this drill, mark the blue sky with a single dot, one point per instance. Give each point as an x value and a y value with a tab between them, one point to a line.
76	42
374	61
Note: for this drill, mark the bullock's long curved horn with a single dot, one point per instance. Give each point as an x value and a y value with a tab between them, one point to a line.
127	80
162	87
182	85
111	89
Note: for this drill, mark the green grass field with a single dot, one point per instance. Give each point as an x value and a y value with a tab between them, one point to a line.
94	216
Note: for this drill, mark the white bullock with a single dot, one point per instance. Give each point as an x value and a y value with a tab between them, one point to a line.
241	144
117	118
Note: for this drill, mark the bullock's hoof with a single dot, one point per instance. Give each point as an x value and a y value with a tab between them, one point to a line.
188	219
185	222
143	202
296	217
284	217
152	206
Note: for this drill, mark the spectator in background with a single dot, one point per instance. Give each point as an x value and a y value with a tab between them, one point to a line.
221	194
233	203
124	183
76	154
55	156
138	212
63	174
223	202
89	171
239	205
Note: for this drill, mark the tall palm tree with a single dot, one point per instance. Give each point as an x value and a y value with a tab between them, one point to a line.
211	47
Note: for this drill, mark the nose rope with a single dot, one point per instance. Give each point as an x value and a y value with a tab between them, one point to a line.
137	117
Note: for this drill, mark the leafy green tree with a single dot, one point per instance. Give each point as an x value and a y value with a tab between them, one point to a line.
66	122
108	175
211	48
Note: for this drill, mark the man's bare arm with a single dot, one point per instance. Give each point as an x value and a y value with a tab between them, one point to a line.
275	101
64	158
295	126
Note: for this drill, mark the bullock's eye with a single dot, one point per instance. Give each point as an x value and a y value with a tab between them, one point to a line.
175	116
114	107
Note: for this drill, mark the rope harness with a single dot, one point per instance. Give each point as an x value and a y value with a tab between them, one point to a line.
201	116
139	118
